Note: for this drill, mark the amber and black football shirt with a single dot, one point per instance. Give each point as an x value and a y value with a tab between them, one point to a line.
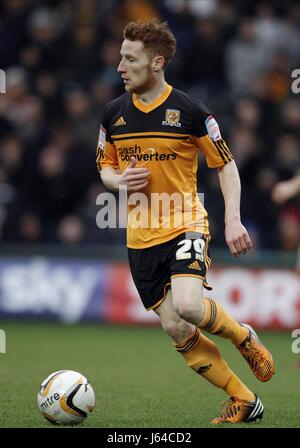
165	137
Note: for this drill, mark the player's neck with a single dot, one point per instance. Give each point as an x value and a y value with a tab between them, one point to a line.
153	93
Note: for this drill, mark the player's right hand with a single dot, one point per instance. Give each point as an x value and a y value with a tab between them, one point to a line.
135	179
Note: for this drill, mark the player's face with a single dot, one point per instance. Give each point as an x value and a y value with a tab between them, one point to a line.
135	67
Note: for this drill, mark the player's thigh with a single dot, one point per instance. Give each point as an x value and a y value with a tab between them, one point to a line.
166	311
189	264
187	293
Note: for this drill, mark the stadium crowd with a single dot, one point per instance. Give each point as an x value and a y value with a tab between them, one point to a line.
60	60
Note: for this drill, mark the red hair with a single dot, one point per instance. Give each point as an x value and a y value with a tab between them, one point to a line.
156	36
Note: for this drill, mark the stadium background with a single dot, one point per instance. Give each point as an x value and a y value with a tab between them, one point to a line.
57	267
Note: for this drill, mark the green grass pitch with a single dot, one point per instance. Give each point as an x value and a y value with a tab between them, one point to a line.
138	378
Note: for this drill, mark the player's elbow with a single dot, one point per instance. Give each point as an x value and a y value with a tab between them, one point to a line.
228	166
105	180
110	177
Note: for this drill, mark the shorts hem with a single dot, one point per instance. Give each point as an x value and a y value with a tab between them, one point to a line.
159	302
205	284
188	275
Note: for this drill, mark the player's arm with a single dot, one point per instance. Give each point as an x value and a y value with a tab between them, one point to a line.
135	179
236	235
110	177
218	156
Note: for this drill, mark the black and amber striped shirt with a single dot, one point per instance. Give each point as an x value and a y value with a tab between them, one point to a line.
164	136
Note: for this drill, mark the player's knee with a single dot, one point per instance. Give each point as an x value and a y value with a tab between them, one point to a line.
189	309
186	310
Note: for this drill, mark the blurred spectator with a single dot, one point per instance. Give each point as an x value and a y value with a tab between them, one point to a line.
110	58
283	191
274	33
204	9
82	48
287	156
102	93
290	116
248	114
13	19
207	47
245	58
52	192
16	85
289	230
11	153
277	78
47	87
30	228
247	152
137	9
88	213
70	230
45	29
82	118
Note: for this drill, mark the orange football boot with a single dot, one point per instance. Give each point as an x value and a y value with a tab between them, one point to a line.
257	356
236	410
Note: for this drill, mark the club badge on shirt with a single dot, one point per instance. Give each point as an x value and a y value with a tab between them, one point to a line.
212	128
172	118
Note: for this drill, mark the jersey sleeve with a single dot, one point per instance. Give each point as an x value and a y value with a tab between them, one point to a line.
106	153
207	137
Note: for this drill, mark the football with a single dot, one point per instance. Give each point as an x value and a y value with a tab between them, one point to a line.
66	398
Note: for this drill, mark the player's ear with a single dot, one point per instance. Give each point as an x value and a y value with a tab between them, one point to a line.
158	63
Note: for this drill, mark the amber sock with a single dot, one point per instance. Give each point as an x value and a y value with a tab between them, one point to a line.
236	388
217	321
204	357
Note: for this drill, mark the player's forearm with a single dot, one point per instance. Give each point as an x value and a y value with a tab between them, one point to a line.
111	178
231	189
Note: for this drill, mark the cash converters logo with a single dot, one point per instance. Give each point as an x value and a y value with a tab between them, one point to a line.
2	81
144	156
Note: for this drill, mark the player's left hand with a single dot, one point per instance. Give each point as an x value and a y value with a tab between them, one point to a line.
237	238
